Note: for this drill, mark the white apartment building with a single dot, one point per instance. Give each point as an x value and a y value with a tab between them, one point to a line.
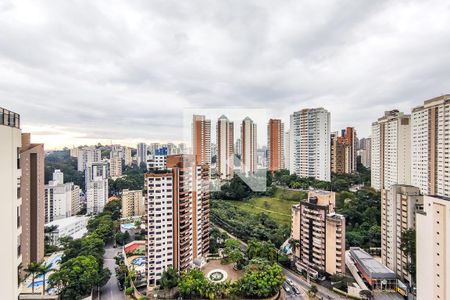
132	203
310	143
391	150
433	248
430	167
249	146
399	205
225	148
60	198
157	162
96	186
88	155
141	154
10	220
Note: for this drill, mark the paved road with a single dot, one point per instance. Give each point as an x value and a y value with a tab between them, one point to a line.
324	293
111	290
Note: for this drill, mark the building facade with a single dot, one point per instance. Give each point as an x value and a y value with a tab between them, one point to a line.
201	139
32	158
320	233
430	152
310	143
115	165
177	216
249	146
433	248
364	152
225	148
141	155
275	144
132	203
391	150
343	151
86	156
10	214
399	205
96	187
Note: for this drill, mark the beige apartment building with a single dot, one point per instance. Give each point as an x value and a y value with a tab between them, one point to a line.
320	233
249	146
177	216
115	166
201	139
225	148
399	205
430	168
433	249
132	203
32	191
343	151
275	144
391	150
10	213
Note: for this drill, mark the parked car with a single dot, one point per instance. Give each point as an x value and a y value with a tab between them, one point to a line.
290	282
287	288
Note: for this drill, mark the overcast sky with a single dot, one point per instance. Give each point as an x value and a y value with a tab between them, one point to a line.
94	71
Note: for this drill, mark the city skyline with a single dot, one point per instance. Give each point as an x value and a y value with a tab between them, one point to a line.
88	86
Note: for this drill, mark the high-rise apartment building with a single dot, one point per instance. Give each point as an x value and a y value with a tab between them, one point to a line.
61	200
141	155
115	165
225	148
275	144
10	213
201	139
364	152
391	150
320	233
343	151
310	143
132	203
96	187
433	248
399	205
127	157
430	167
157	161
88	155
238	147
249	146
287	149
177	216
32	158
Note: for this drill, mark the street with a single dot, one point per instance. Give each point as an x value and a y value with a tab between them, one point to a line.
111	290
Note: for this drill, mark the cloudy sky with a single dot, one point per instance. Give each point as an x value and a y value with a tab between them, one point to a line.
94	71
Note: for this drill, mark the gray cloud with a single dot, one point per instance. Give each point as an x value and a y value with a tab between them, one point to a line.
125	70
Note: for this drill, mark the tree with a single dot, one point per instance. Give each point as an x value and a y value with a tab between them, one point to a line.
232	250
261	249
44	269
192	283
261	284
76	277
313	290
32	269
169	278
408	247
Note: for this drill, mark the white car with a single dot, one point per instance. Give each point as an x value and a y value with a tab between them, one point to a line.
290	282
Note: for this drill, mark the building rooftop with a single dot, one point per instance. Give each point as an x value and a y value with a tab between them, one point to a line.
371	266
9	118
61	223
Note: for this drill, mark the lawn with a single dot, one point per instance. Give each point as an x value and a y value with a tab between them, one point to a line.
277	209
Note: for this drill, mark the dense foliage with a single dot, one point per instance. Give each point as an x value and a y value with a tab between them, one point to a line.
133	179
68	165
246	225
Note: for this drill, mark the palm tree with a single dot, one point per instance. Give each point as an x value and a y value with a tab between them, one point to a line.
44	270
33	268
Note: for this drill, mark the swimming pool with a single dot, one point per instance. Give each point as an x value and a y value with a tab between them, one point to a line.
139	261
38	279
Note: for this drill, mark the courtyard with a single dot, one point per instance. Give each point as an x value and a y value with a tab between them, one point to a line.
215	265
